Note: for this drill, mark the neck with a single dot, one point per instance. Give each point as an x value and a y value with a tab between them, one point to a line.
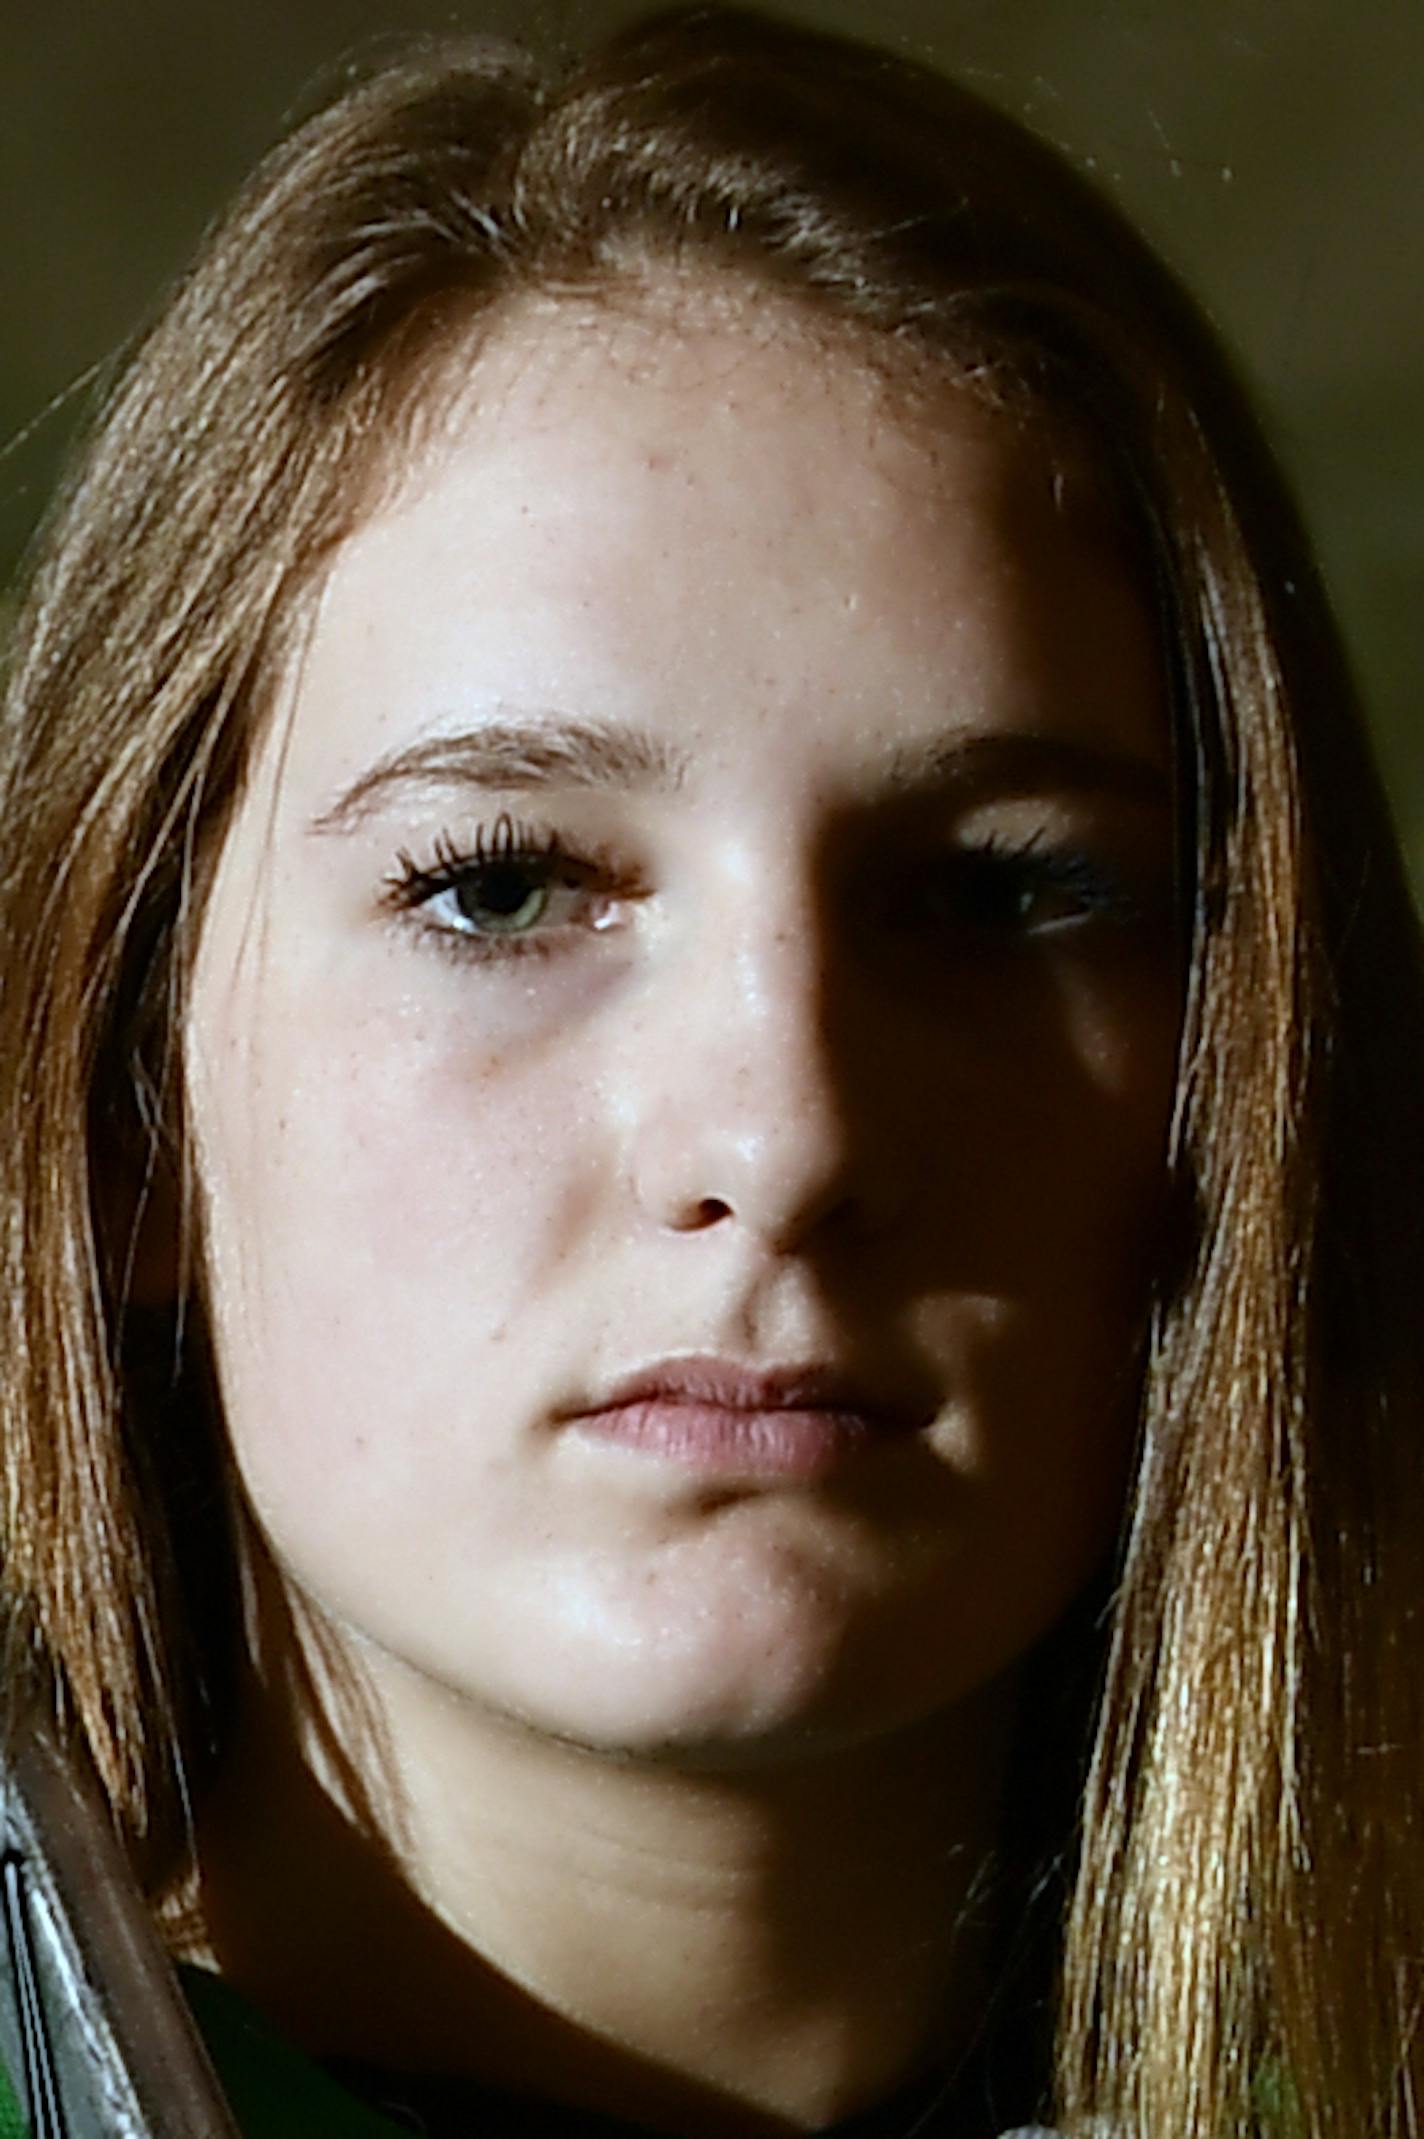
703	1950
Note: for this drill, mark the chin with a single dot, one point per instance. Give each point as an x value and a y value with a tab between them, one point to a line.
699	1736
734	1693
705	1726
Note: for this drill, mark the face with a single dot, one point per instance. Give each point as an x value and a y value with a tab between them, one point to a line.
681	1046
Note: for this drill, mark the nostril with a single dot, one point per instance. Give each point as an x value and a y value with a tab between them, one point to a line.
711	1210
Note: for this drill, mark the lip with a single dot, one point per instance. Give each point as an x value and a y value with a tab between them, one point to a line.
718	1417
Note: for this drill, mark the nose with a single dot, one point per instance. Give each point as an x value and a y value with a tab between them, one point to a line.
749	1105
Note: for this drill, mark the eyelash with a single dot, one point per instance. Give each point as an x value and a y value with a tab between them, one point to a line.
993	883
993	873
537	854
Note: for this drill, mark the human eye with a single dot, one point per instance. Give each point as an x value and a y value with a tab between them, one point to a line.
510	891
1001	889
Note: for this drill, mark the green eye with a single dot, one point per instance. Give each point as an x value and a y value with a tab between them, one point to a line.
500	898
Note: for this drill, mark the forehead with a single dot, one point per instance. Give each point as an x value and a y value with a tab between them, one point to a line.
709	399
713	516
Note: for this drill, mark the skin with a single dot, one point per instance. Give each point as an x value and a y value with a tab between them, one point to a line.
685	1777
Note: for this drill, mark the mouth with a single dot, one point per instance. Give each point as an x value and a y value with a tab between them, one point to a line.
719	1418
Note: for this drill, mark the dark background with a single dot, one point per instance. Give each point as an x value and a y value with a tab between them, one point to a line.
1273	148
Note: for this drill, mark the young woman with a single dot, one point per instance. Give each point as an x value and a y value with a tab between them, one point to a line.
710	1062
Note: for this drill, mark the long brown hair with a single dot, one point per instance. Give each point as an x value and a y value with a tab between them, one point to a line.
1242	1934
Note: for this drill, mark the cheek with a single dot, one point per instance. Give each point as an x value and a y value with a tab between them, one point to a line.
385	1200
1050	1224
1047	1102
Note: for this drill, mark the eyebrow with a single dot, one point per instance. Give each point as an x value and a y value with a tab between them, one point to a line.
554	750
1026	763
549	750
